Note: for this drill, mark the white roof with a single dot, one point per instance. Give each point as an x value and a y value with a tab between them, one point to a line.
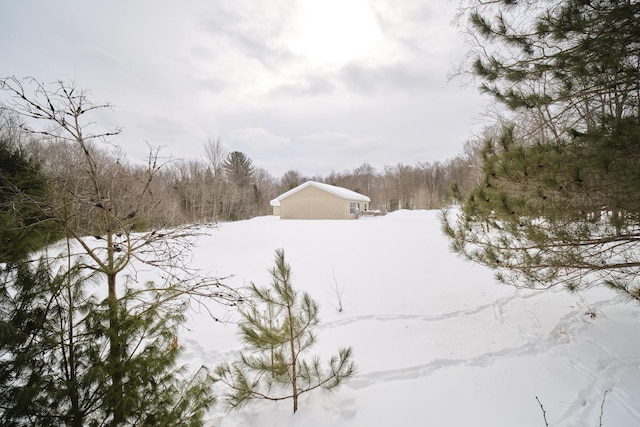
338	191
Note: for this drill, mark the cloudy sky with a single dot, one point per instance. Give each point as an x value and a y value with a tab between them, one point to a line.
312	85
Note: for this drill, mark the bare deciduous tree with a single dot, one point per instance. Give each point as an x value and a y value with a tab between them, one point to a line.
114	204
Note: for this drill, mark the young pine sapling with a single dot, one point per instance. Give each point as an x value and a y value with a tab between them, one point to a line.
276	330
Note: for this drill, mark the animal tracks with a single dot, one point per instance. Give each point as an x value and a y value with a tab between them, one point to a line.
515	326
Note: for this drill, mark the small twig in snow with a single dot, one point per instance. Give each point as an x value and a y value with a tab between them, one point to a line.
337	292
534	316
602	407
544	413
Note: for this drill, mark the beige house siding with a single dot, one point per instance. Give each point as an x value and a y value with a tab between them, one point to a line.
314	203
316	200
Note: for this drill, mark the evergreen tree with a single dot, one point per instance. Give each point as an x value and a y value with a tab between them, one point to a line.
240	174
277	330
559	199
27	299
55	366
24	190
239	169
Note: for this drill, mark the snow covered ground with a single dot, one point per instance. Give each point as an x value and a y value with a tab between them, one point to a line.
436	340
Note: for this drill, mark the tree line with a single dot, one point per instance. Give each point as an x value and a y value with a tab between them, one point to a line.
226	186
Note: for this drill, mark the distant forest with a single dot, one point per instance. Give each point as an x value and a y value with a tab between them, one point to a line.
227	186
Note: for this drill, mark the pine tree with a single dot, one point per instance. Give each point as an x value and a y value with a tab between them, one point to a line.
240	173
24	190
239	169
55	366
559	199
277	330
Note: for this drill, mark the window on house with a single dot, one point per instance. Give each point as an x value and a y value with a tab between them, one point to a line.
352	207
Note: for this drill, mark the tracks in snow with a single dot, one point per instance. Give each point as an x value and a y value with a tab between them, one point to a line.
537	335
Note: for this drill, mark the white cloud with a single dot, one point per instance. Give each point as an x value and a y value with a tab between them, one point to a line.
256	76
332	33
257	140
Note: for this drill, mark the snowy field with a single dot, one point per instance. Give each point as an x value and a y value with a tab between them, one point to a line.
436	340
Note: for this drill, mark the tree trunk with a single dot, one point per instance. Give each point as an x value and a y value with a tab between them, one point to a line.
115	351
77	418
115	346
294	374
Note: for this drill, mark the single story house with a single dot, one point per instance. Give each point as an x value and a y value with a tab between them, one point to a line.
316	200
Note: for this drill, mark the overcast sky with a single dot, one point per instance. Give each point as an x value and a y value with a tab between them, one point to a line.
312	85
